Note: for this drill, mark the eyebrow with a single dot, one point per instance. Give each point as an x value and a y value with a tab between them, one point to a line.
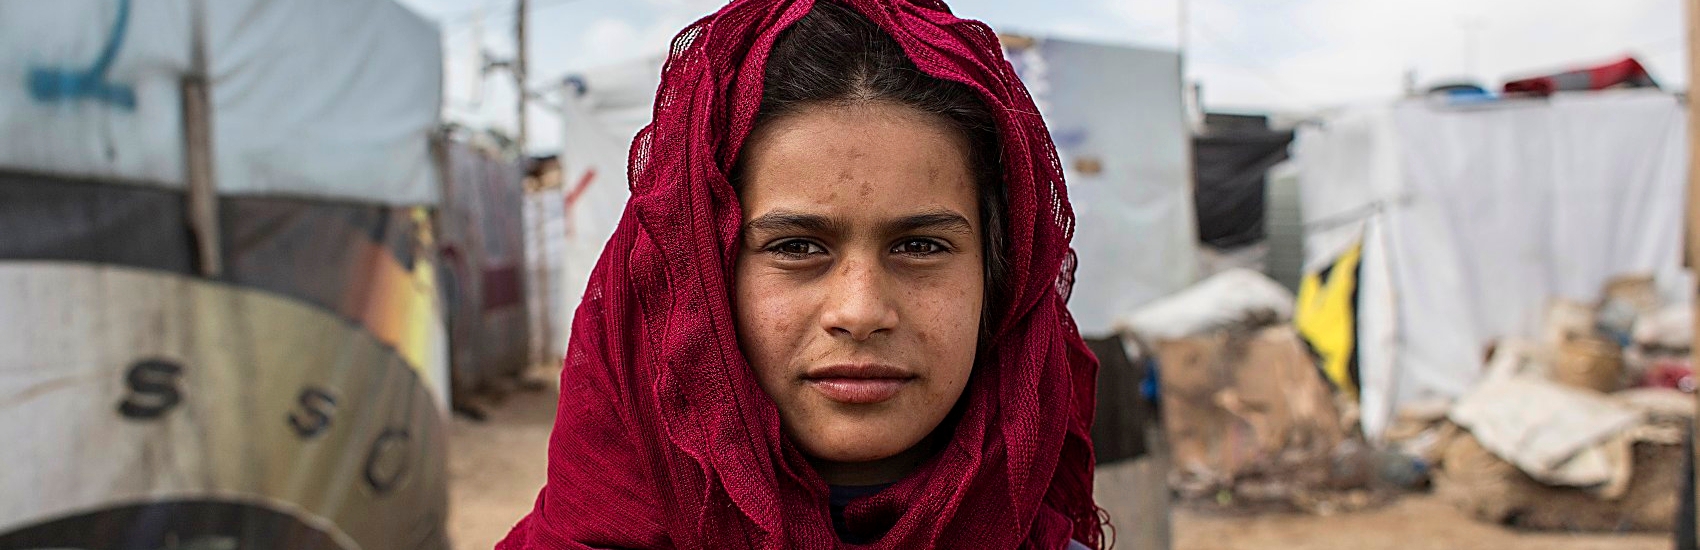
937	220
781	220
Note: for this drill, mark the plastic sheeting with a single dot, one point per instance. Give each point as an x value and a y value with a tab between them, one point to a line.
1472	218
310	98
1325	312
1117	117
1554	433
1225	299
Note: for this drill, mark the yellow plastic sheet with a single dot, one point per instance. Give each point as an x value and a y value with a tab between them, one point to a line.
1326	316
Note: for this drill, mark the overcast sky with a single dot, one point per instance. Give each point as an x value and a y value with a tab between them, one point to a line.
1287	55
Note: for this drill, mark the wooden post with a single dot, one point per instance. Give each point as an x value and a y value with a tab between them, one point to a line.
202	192
1692	244
522	136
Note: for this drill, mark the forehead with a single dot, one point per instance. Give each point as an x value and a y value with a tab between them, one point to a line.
862	159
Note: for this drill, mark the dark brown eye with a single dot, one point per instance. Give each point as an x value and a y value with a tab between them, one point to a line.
796	248
919	247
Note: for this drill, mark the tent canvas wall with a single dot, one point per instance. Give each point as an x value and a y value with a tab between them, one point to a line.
297	399
1118	120
482	257
1472	217
1115	113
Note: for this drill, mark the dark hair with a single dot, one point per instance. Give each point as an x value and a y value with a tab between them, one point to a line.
835	55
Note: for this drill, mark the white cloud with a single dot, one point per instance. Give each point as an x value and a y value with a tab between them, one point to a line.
1152	21
609	38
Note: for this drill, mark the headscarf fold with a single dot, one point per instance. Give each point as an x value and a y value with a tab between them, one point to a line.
664	439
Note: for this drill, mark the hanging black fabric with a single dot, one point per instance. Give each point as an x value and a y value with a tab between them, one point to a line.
1229	164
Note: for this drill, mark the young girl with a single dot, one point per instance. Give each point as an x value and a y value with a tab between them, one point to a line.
834	312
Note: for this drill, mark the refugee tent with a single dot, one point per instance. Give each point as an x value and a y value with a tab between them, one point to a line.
482	257
1455	225
1115	113
602	112
293	398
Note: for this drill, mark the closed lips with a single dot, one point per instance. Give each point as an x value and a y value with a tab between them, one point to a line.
858	384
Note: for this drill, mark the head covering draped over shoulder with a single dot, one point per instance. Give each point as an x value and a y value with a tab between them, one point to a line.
664	439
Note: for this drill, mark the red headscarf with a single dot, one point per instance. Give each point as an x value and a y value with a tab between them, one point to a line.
663	439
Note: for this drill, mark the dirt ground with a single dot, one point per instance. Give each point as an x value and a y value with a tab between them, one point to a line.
1417	522
496	467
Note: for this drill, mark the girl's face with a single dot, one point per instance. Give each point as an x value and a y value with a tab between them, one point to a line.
859	283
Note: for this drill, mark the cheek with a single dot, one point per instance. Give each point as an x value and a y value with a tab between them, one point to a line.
948	309
766	314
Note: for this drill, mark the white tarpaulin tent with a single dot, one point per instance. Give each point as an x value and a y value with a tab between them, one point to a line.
598	126
312	98
1119	123
1473	217
1114	109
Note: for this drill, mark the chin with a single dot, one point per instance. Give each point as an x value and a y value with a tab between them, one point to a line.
855	444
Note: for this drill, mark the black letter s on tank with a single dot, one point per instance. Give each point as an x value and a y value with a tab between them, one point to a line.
314	416
153	389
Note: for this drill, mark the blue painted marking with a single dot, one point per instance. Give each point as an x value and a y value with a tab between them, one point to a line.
1069	138
47	84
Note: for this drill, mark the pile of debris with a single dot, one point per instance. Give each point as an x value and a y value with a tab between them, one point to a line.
1579	431
1250	421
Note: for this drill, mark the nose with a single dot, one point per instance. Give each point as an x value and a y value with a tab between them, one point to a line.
859	303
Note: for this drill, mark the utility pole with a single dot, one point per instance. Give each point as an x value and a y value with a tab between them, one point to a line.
546	304
519	70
